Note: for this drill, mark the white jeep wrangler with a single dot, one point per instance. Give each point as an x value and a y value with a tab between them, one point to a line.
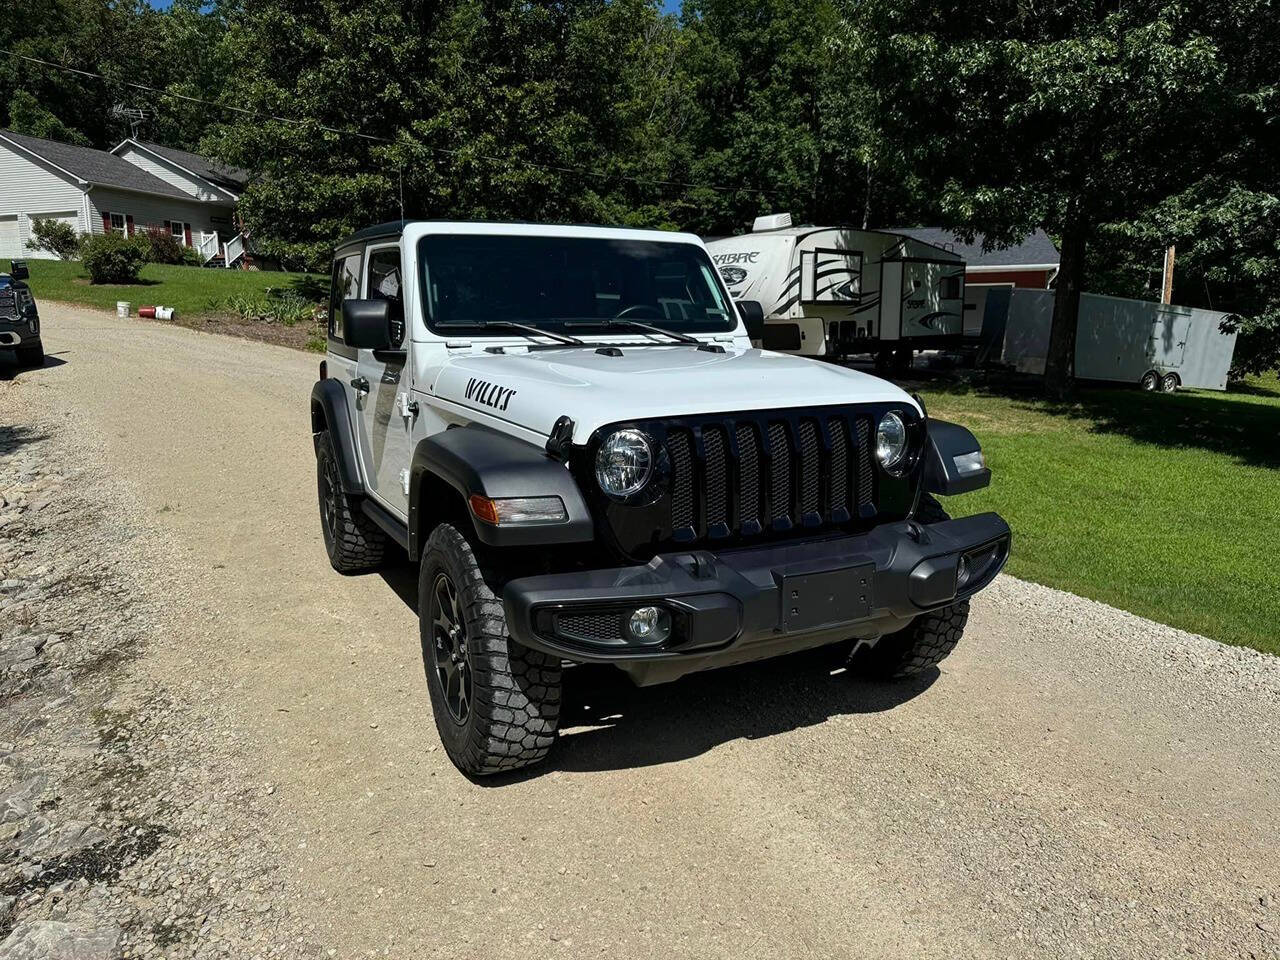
569	430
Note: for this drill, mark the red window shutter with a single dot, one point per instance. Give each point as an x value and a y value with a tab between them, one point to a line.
106	221
128	224
187	230
168	225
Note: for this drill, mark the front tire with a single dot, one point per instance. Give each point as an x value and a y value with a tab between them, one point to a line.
354	543
496	703
31	354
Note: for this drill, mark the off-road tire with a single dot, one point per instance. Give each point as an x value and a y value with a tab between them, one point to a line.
354	543
515	692
31	354
930	637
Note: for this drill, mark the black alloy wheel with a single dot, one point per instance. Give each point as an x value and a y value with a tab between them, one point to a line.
452	659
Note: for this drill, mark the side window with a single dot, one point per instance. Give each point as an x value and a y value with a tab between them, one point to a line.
950	288
385	284
345	285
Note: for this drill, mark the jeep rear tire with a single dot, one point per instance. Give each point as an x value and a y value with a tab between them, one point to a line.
930	637
496	703
31	354
354	543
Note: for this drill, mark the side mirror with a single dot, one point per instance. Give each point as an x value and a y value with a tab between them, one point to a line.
753	316
366	324
18	269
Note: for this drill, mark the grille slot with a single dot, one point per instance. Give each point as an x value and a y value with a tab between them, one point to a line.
779	473
717	476
838	490
865	477
810	481
748	474
680	450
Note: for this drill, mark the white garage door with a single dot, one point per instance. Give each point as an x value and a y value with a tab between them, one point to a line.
10	242
69	217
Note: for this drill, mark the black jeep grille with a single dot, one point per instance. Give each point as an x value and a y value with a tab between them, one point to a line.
767	472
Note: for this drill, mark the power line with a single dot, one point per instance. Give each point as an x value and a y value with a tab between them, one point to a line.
447	151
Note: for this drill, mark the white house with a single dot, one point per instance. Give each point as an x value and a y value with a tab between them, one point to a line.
134	187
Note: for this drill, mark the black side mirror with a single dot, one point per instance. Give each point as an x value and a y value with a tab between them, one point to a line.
366	324
18	269
753	316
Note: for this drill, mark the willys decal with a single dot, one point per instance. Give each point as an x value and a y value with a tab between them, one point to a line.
489	394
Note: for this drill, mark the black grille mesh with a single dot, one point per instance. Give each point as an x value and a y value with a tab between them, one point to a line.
809	468
865	478
680	449
838	495
713	441
606	625
779	473
748	473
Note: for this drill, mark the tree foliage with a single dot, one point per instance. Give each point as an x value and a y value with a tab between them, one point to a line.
1119	128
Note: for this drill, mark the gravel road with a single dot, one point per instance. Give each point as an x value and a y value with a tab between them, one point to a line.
245	738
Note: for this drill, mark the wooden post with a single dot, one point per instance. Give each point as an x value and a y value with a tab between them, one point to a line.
1166	288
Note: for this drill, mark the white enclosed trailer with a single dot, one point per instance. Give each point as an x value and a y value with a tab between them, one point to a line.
835	291
1156	345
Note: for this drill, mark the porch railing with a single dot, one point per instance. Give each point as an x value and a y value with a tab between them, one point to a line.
207	246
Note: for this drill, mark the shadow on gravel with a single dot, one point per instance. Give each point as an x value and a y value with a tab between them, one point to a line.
9	369
608	723
11	438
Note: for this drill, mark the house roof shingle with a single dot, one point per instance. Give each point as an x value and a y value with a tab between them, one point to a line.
232	178
94	166
1036	247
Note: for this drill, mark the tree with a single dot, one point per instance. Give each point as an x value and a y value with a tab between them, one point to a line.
1068	116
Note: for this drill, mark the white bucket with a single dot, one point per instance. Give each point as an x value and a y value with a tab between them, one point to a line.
165	313
122	308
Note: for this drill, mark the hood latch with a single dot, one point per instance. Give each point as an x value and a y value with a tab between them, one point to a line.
561	439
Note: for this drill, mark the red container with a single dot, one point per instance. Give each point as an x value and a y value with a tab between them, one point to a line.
148	312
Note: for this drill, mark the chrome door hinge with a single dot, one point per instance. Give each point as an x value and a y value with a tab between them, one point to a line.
408	408
404	481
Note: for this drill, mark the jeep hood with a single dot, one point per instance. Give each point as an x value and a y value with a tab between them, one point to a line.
533	389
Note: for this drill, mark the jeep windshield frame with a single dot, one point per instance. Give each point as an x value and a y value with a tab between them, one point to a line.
568	284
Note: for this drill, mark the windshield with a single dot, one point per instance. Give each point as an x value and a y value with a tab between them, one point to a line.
558	283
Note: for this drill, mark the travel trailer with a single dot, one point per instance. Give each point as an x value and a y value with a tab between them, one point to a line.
837	291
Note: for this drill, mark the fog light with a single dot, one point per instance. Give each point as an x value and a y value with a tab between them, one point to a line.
649	625
962	572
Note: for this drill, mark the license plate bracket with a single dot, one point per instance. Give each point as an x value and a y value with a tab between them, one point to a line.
810	599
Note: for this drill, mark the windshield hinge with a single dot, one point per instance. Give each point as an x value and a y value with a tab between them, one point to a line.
561	439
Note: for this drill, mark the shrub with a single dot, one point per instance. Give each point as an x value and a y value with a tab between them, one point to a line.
111	258
55	236
164	246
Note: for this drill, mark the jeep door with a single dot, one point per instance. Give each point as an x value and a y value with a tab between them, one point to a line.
382	426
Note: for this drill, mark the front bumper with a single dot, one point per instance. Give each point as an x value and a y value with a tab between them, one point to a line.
14	332
748	604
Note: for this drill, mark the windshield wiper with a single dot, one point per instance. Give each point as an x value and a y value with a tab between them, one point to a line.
515	325
634	325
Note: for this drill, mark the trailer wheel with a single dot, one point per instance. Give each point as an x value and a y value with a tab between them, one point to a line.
1150	381
1169	383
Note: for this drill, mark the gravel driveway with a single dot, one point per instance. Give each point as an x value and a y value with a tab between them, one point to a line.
227	748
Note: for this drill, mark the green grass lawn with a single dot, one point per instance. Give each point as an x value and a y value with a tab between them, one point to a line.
194	291
1167	506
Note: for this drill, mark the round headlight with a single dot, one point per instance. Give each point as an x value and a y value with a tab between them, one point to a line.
891	441
624	463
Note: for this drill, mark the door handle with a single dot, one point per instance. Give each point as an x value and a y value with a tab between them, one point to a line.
360	385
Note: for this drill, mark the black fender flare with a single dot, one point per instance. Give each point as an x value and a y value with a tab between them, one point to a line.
329	411
944	442
475	459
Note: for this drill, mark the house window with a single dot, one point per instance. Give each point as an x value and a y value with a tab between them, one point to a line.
179	229
118	224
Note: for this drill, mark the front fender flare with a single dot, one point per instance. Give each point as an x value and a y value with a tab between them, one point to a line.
329	411
475	459
944	443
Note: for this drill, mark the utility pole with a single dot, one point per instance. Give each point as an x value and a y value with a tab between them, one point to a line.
1166	287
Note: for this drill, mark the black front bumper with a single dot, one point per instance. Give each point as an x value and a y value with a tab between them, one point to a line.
748	604
15	332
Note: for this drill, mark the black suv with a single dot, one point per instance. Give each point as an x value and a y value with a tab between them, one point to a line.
19	318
